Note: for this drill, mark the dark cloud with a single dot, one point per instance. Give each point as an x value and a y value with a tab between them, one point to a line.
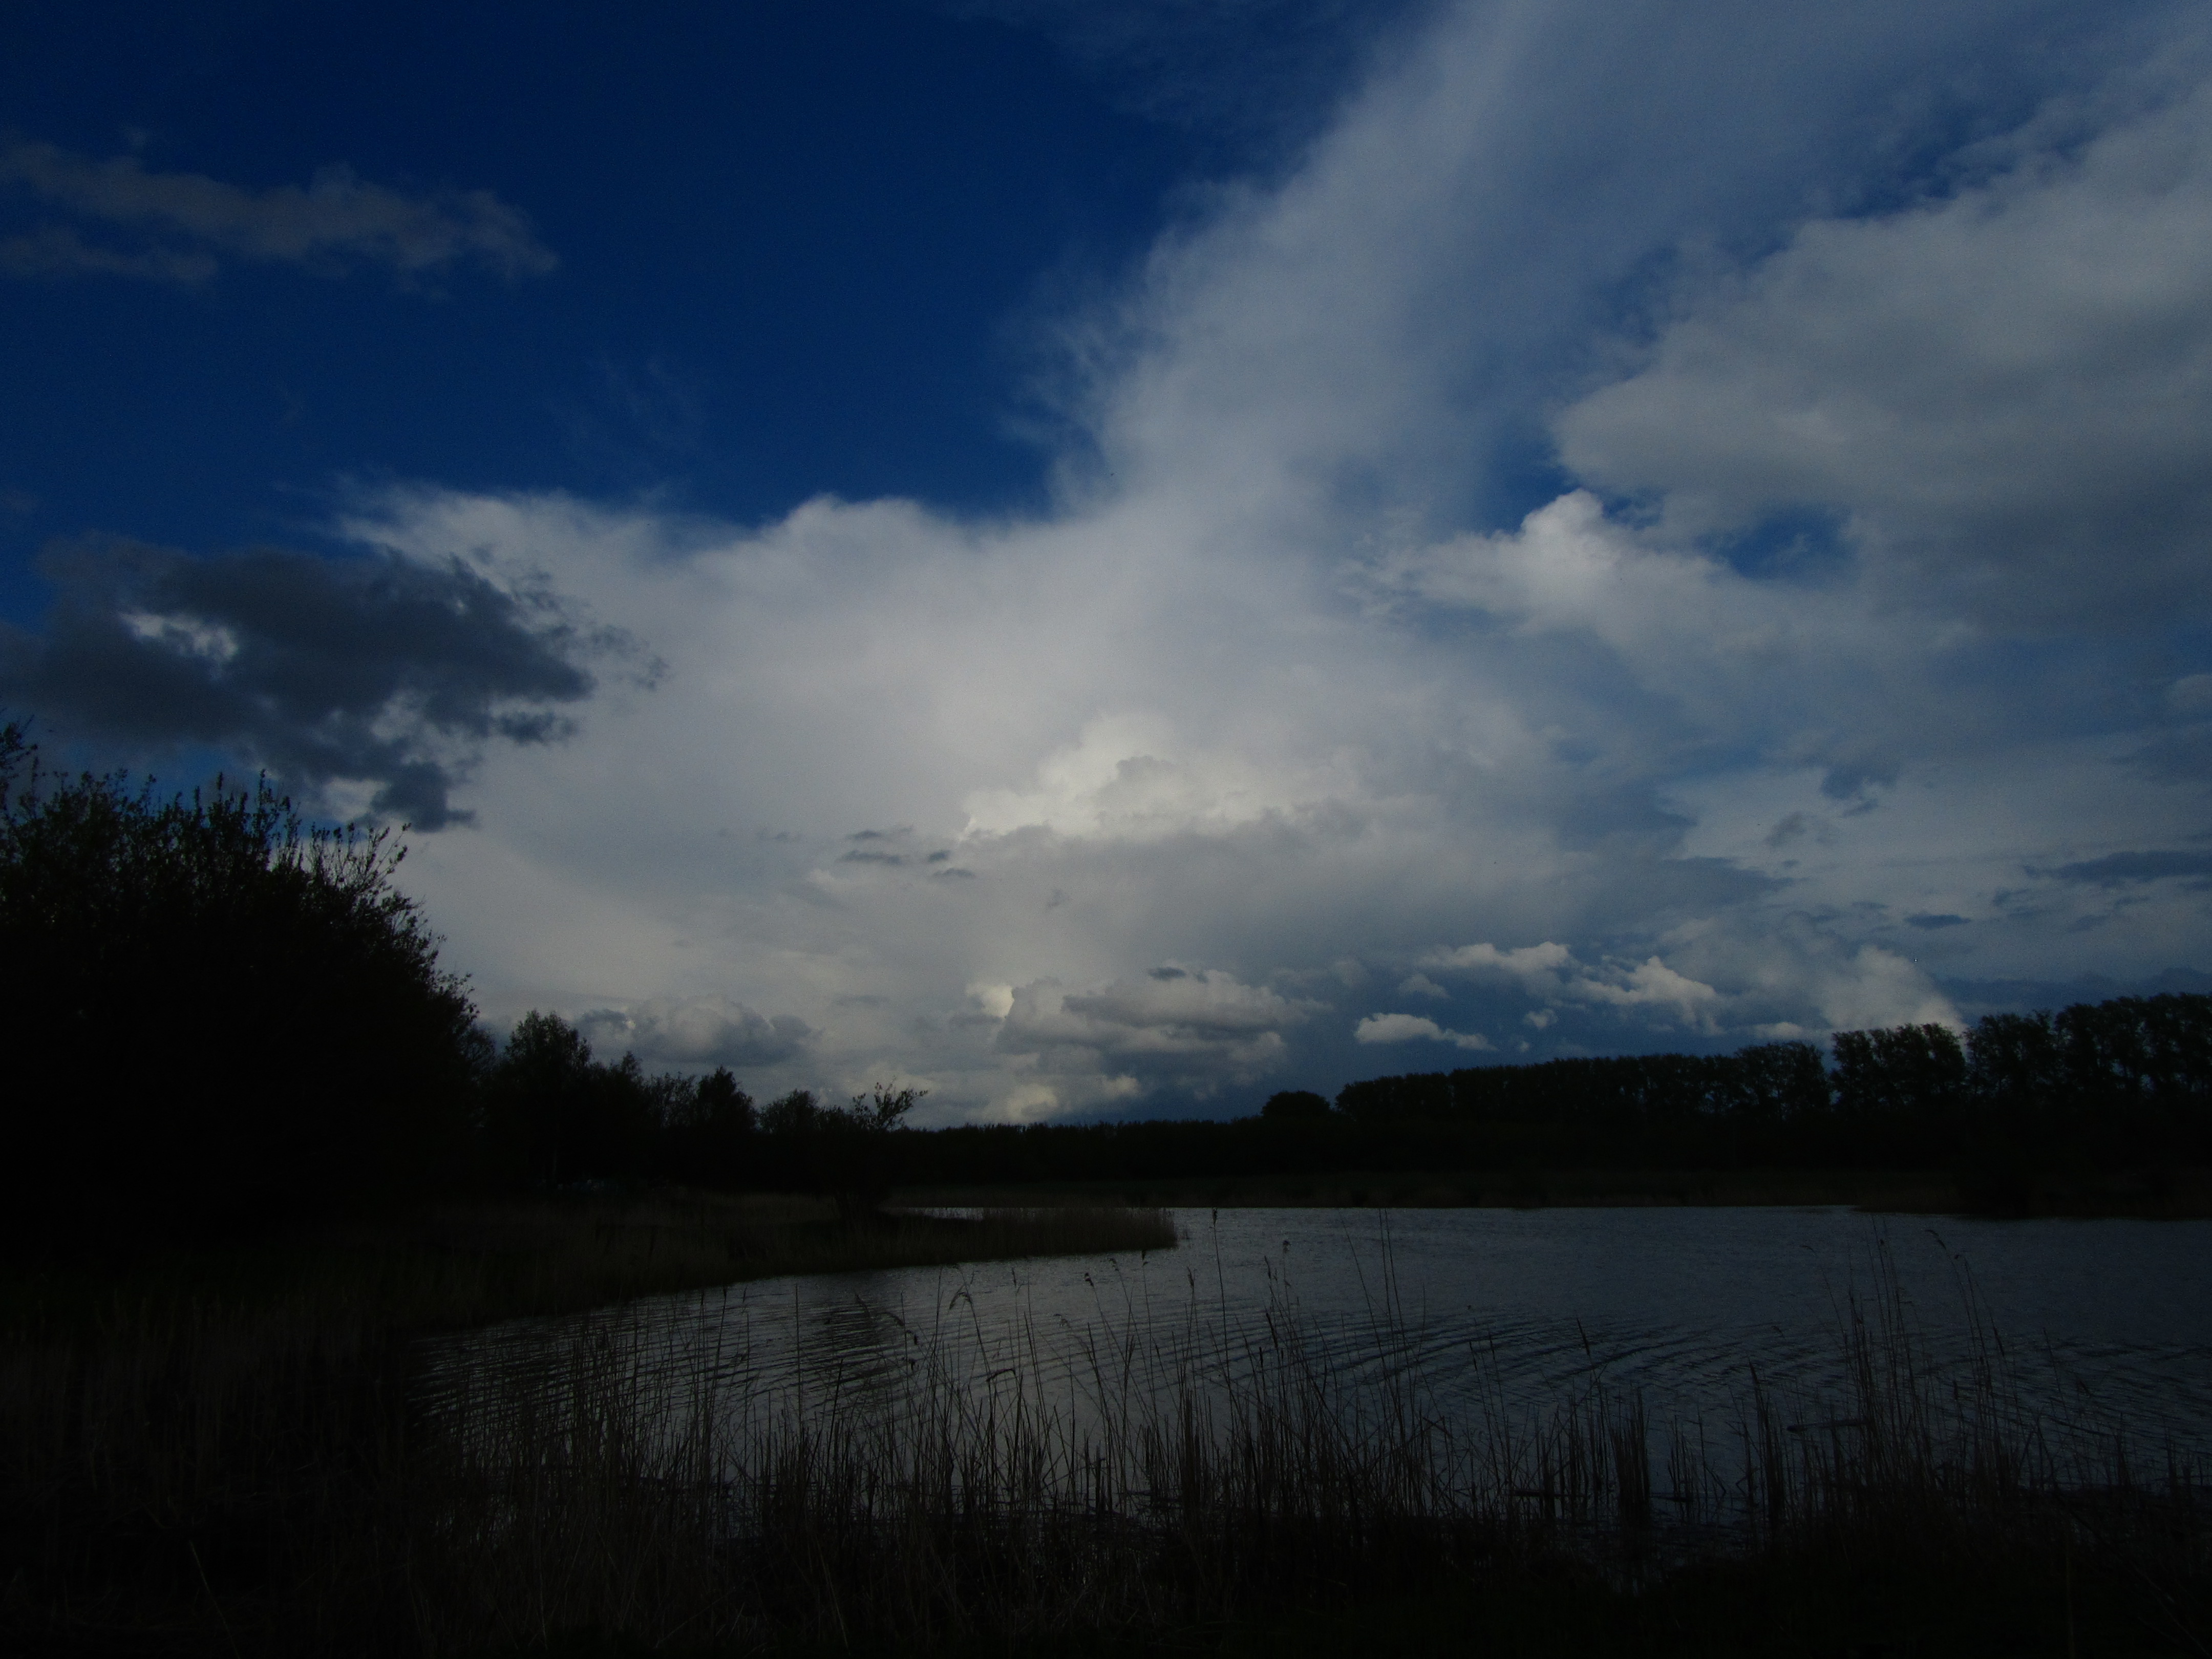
180	227
1976	997
1932	922
1854	779
1203	1028
2118	869
377	671
700	1031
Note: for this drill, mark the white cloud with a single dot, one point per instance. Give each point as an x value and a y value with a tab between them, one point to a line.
1550	972
198	223
1831	986
1993	384
1200	1029
1275	687
1412	1028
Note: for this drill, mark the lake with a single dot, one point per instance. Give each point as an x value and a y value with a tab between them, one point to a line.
2103	1327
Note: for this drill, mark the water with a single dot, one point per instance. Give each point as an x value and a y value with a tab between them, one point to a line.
2103	1325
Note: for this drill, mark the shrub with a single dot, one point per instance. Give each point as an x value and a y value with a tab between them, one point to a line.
218	1016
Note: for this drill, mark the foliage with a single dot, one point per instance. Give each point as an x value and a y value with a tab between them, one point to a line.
1294	1104
219	1015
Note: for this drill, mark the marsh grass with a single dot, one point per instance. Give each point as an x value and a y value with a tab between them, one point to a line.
214	1450
1191	1502
260	1477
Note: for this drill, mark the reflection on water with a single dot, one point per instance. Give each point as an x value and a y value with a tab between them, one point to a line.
2097	1323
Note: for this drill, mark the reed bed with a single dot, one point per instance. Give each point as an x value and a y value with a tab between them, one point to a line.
979	1506
216	1451
199	1483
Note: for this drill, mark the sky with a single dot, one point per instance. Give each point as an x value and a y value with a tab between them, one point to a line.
1107	559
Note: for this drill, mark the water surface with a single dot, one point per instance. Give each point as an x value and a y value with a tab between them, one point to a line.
2106	1326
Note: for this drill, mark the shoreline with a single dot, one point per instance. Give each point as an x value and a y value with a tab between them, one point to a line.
2175	1194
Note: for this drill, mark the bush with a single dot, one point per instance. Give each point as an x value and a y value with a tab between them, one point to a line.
218	1015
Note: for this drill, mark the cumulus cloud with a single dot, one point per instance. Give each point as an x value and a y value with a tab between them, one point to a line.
1993	384
698	1032
376	672
1202	1028
1412	1028
1791	981
1550	972
182	226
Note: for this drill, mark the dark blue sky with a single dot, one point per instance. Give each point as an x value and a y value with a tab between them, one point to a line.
797	241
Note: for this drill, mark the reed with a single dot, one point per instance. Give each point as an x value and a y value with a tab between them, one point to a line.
215	1448
200	1481
968	1507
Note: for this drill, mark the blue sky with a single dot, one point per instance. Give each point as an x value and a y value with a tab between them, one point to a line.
1107	559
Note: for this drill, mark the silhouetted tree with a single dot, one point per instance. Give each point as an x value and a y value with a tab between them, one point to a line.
1295	1105
844	1151
556	1117
707	1134
216	1015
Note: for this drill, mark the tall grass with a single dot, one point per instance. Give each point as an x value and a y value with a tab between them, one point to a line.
190	1483
971	1507
217	1451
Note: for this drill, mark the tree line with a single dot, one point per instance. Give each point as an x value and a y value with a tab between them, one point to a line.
221	1017
2125	1084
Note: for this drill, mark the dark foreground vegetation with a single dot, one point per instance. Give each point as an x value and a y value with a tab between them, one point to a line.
196	1483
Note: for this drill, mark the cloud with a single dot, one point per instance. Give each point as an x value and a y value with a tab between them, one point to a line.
1757	976
1320	662
376	672
1992	384
1549	971
2117	869
699	1031
1201	1028
1412	1028
187	225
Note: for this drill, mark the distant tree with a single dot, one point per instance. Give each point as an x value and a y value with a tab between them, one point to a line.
790	1115
709	1130
861	1162
1294	1105
556	1117
216	1014
1901	1090
1773	1083
533	1094
844	1151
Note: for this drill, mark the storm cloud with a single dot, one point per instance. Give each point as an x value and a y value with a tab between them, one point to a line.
370	672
